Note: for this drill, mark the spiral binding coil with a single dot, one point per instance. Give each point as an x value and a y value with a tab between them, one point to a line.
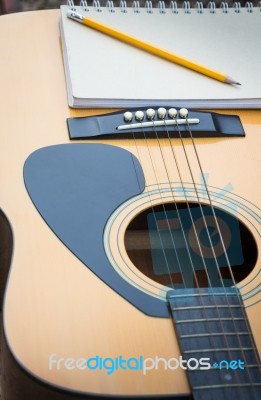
123	6
84	5
161	6
174	7
199	6
110	6
136	6
148	6
224	6
71	5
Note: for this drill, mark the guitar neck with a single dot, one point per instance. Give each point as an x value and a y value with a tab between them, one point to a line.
218	350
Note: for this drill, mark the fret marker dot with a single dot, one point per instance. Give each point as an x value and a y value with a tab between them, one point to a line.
228	377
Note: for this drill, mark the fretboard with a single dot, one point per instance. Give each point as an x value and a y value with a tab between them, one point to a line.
211	324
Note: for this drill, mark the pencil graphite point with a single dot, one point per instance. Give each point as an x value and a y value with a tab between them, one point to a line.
231	81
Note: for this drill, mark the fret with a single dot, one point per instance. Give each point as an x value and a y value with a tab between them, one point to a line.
223	367
212	327
223	376
227	386
204	291
206	307
229	393
215	340
199	335
188	321
170	297
230	349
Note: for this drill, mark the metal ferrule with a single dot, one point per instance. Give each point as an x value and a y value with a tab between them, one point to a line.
74	15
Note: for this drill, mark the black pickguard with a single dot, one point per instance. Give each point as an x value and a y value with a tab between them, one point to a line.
75	188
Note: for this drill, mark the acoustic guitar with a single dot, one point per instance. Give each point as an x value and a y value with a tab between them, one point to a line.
132	240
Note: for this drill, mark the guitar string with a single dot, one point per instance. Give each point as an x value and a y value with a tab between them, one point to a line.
221	278
186	201
164	210
229	265
174	201
228	262
189	211
179	218
231	272
153	207
139	157
213	249
181	180
203	306
177	210
211	338
162	204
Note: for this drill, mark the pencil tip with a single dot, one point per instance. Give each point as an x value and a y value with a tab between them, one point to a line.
231	81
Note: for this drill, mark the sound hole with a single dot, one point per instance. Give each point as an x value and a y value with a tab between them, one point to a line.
183	245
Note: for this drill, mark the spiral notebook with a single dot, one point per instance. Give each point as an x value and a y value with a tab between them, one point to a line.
103	72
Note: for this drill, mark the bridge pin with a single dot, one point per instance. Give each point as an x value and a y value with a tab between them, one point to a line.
139	115
183	113
150	113
172	113
162	112
127	116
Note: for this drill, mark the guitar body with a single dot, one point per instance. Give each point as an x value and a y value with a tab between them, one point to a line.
79	318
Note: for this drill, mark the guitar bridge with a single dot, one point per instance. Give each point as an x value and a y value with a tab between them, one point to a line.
151	123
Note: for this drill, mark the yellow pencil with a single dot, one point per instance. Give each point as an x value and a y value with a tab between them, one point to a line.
150	48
